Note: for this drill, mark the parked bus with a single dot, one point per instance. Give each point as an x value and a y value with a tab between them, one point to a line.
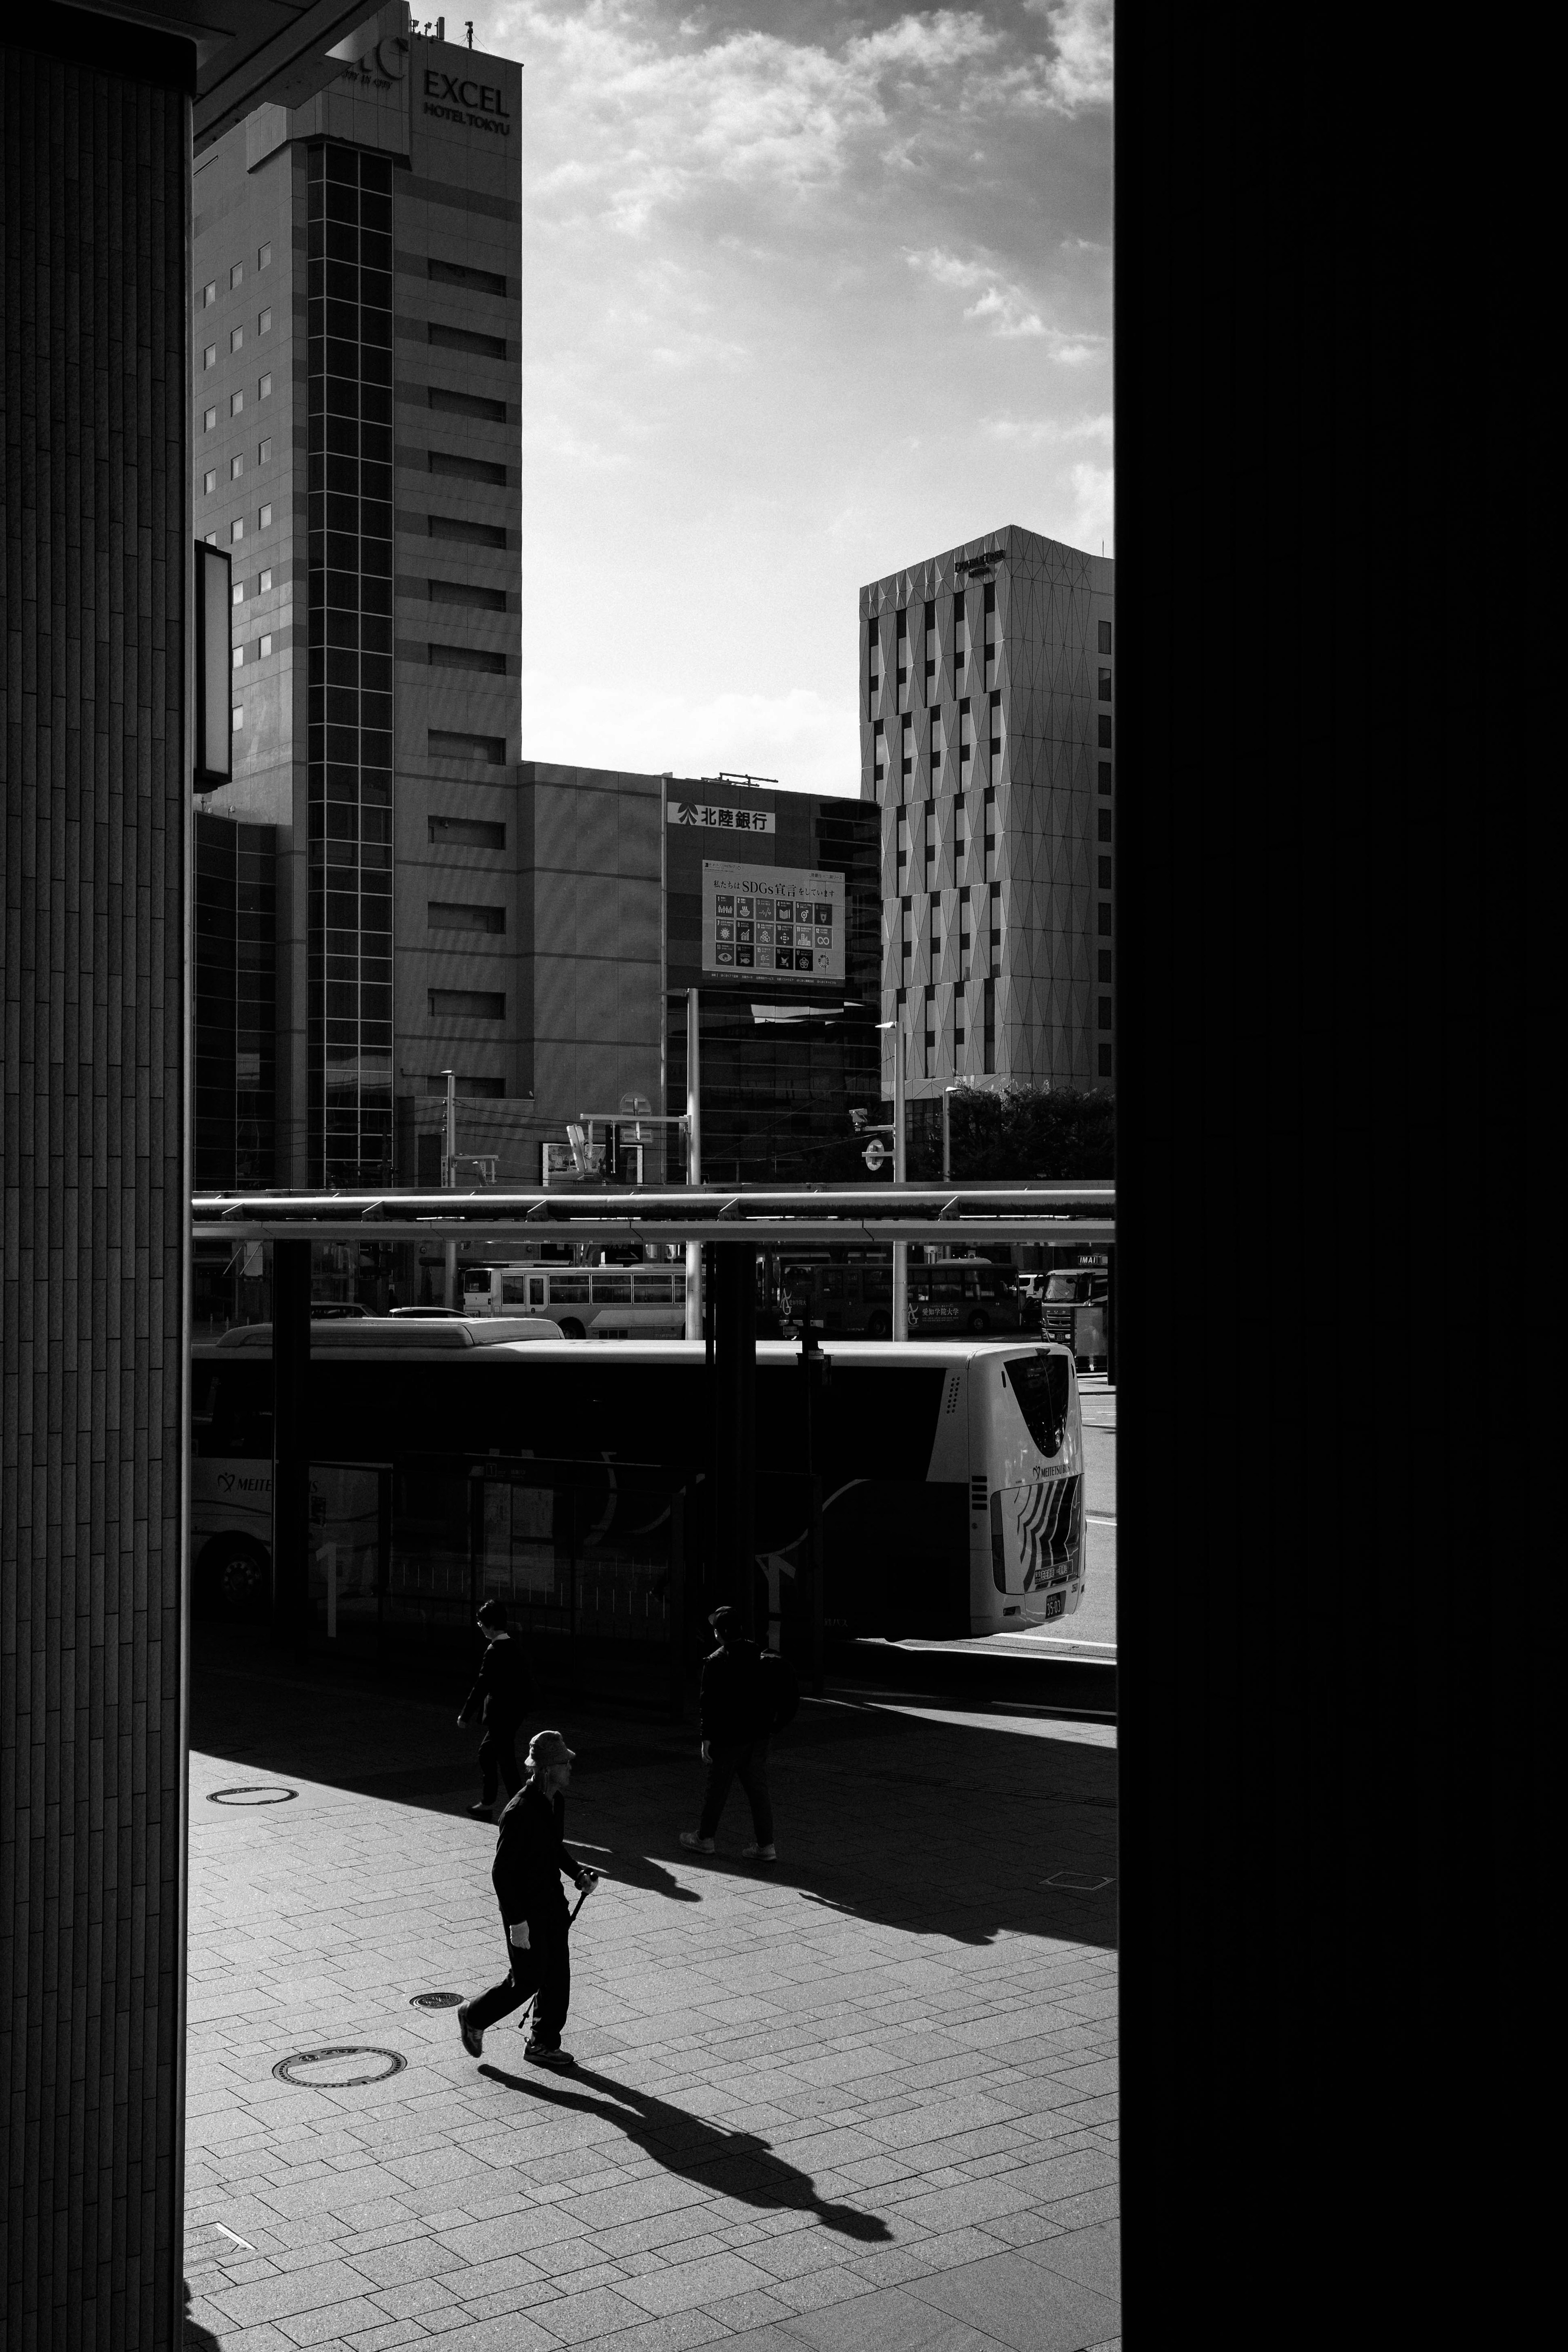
465	1460
601	1302
972	1296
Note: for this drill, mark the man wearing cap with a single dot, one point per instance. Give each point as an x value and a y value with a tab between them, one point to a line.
530	1861
736	1716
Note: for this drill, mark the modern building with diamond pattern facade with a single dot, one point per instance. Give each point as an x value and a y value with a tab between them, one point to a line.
987	739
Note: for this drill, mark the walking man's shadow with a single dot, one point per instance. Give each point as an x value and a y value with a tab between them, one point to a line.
732	2164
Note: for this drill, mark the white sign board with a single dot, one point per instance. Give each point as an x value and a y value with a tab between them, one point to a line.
721	820
778	919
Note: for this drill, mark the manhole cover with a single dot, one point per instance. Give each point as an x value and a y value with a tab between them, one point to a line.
1073	1882
339	2067
256	1795
436	2000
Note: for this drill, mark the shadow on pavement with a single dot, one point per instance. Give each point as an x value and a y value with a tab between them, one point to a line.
952	1829
198	2339
732	2164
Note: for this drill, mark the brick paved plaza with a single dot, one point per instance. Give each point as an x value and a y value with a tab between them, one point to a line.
866	2100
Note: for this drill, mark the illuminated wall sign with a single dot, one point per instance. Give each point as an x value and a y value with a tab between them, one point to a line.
779	919
722	820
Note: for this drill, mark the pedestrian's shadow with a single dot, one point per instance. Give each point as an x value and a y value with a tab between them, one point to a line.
732	2164
637	1870
197	2338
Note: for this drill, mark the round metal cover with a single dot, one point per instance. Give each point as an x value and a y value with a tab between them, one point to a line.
256	1793
436	2000
333	2068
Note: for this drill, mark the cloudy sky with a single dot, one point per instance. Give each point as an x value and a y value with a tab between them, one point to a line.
810	291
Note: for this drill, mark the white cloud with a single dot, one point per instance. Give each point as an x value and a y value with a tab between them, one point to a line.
1001	304
1083	34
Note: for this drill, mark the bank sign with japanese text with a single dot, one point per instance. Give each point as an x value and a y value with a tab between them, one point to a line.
781	920
722	820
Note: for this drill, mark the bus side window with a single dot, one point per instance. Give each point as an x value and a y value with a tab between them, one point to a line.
513	1290
536	1290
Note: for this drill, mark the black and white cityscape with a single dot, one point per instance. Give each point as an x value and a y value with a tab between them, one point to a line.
619	1043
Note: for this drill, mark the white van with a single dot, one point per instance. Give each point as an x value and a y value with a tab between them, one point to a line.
600	1302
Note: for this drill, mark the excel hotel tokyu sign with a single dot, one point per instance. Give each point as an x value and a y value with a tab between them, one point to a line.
778	919
457	97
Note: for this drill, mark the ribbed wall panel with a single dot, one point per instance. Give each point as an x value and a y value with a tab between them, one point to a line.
91	946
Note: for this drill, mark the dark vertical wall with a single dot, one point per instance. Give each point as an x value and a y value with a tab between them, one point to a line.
96	164
1339	911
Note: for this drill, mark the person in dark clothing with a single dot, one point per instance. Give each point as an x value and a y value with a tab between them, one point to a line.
736	1718
499	1697
530	1861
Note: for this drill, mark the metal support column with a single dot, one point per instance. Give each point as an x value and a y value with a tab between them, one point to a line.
449	1180
694	1161
735	1450
901	1176
290	1444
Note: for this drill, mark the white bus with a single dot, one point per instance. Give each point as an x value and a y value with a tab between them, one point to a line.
537	1469
600	1302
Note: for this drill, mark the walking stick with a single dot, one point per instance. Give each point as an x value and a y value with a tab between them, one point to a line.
533	1996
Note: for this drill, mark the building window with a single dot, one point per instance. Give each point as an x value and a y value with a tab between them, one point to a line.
1105	967
210	293
990	604
467	1004
264	322
236	402
209	481
235	275
1105	824
264	255
236	594
264	583
1105	1061
452	915
1105	1012
1105	775
466	833
237	531
209	356
236	338
1105	731
1105	873
209	420
1105	686
235	467
263	452
264	647
237	719
1105	636
1105	919
988	1026
264	389
264	519
237	659
211	539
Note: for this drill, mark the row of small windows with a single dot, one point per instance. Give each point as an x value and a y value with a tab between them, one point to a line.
237	402
236	275
236	338
236	528
263	584
260	649
237	468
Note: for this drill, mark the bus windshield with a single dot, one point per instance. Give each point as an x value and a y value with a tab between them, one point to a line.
1062	1288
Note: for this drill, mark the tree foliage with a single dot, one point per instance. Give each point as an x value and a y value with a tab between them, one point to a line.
1020	1132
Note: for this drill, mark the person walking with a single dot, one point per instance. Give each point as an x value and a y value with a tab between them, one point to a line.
530	1861
746	1693
499	1697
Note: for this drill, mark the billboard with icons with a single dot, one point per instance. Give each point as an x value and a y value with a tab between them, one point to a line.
783	921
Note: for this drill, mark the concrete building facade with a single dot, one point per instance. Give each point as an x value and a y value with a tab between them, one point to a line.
356	449
987	723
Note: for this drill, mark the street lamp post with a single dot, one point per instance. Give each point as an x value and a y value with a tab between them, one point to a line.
693	1162
449	1177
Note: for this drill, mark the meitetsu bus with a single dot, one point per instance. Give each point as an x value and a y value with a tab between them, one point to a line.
454	1461
601	1302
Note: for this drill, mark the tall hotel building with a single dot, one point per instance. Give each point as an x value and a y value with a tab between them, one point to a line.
987	703
356	340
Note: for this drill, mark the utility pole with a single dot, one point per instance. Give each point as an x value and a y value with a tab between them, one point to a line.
947	1094
693	1162
449	1177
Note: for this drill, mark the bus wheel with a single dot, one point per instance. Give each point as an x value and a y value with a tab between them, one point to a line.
233	1580
571	1328
878	1326
980	1320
